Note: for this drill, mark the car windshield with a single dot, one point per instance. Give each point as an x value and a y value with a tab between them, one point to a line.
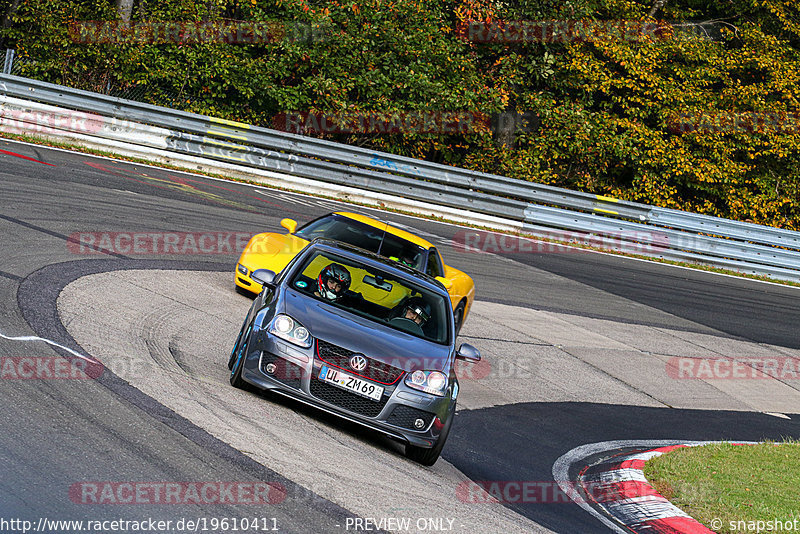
367	237
375	295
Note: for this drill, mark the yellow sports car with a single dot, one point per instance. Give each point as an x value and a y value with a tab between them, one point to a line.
274	252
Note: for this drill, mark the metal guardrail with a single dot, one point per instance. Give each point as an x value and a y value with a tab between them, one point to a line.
541	209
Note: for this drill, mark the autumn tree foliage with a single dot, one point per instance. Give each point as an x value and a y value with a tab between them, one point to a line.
680	103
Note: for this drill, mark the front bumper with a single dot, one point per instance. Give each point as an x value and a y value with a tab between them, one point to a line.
244	281
295	371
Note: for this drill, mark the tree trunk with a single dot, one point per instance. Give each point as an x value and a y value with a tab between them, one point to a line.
10	12
125	9
657	5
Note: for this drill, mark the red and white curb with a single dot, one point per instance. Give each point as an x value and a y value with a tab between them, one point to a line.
615	490
621	489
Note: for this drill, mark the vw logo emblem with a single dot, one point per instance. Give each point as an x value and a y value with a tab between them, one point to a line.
358	362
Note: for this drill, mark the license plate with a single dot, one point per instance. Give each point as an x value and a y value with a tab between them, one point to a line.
350	383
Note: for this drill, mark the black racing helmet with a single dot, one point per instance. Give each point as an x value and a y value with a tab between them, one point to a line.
338	274
420	307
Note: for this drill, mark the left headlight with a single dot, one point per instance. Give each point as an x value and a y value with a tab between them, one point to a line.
241	268
433	382
287	328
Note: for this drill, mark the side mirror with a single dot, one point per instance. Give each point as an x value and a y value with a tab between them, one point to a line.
289	224
446	282
468	353
265	277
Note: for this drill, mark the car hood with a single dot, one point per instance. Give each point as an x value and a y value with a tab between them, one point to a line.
271	251
359	334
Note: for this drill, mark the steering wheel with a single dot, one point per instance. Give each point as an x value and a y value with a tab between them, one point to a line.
407	324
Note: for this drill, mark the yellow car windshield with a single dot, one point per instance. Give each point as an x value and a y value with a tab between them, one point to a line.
364	236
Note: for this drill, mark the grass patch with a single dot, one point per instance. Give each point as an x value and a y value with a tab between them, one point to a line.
722	483
77	147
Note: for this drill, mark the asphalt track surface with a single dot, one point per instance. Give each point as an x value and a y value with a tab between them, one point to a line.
56	433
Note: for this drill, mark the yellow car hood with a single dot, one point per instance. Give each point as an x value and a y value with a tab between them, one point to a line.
271	251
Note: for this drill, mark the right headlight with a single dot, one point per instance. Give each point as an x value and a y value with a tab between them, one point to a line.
433	382
289	329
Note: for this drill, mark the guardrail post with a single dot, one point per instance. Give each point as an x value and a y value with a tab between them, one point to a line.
9	61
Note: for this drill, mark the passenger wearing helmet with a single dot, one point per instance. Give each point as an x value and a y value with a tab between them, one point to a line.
417	310
333	282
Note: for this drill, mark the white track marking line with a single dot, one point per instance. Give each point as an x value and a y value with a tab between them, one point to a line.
776	414
50	342
286	198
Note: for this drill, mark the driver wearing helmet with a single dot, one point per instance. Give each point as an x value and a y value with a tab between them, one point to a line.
333	282
417	310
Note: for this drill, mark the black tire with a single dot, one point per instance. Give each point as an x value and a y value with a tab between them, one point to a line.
458	316
238	362
231	358
245	292
428	457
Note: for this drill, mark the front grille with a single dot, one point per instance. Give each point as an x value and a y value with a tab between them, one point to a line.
404	416
285	372
340	357
344	399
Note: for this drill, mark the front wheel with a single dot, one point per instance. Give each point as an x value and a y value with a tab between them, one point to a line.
458	316
428	457
235	350
238	362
